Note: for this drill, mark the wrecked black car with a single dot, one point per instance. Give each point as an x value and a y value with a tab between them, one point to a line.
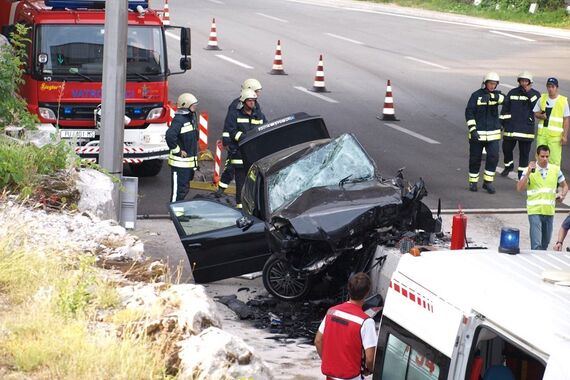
314	211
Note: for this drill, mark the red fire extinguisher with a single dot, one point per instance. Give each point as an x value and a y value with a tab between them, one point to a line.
458	228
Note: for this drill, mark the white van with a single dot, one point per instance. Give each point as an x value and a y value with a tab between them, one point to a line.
476	314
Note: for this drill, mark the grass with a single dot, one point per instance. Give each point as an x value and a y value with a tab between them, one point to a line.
546	17
48	314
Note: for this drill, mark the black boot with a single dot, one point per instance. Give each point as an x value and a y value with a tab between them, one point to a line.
489	187
220	192
506	171
473	186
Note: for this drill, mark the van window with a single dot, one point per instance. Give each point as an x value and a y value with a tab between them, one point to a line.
494	355
403	356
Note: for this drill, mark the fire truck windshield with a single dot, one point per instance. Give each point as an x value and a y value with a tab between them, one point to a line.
75	52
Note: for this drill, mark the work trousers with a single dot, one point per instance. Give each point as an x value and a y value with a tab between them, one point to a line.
540	231
475	155
180	182
554	143
524	151
231	171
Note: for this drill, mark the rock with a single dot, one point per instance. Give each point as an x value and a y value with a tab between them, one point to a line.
96	191
215	354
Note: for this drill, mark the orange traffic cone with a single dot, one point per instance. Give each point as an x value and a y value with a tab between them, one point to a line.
213	38
388	112
165	14
277	68
319	83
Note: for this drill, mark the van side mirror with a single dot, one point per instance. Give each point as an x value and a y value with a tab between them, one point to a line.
185	42
244	223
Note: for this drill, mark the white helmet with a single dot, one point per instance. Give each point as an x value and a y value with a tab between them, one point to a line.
491	76
186	100
247	93
252	84
525	75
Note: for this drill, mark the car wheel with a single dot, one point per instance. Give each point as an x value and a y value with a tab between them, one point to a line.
284	282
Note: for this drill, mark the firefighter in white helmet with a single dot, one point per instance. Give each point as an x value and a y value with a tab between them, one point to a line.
182	139
239	121
482	117
517	117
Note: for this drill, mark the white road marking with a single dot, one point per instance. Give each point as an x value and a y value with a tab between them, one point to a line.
315	94
512	36
231	60
514	176
171	35
412	133
216	2
271	17
507	85
427	63
344	39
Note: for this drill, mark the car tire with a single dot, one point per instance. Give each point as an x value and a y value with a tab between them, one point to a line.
284	282
149	168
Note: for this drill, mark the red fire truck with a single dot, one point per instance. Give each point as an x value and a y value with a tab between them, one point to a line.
62	80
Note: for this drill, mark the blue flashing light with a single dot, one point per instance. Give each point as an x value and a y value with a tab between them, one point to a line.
90	4
510	238
67	110
137	111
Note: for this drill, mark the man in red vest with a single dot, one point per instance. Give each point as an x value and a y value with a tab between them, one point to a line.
347	334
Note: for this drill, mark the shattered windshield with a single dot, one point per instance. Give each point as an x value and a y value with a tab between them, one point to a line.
340	161
75	52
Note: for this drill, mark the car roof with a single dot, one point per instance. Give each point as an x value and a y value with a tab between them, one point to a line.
508	290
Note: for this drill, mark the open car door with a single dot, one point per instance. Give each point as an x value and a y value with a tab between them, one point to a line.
217	248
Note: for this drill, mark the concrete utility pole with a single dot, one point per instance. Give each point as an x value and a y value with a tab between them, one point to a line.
113	93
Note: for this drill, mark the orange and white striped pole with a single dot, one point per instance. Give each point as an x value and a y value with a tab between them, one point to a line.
213	37
217	162
203	129
166	14
388	112
277	68
319	83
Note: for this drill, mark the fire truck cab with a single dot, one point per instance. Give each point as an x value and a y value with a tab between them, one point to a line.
63	77
477	314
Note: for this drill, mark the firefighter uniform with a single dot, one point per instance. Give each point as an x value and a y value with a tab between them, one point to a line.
182	136
236	125
550	131
482	116
342	343
518	126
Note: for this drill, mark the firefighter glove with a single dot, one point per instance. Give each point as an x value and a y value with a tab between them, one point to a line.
474	135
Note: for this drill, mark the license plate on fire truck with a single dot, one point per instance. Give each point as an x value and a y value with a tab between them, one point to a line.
69	134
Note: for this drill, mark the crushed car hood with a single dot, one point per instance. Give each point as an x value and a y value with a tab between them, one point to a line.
332	211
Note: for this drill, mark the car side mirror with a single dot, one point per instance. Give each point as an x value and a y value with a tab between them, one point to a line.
244	223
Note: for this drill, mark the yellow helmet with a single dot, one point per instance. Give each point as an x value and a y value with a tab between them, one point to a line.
491	76
525	75
252	84
247	93
186	100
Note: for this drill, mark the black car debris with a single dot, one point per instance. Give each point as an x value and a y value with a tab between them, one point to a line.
314	210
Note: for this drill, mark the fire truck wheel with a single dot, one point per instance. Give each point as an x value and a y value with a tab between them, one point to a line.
148	168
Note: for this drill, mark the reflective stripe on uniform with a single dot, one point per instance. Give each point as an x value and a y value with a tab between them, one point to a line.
509	163
222	185
473	177
346	316
175	150
242	120
238	135
256	122
182	162
225	134
488	176
533	98
505	117
519	97
472	128
174	186
541	191
236	161
519	134
238	205
471	122
551	128
541	202
188	127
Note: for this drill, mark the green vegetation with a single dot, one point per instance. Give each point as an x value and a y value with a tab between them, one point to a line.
550	12
51	303
13	109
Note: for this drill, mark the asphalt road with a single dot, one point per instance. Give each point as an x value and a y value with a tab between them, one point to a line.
434	65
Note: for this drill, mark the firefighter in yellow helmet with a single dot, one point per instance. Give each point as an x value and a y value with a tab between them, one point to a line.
182	140
482	117
239	121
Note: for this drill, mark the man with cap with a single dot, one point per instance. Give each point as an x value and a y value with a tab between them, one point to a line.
553	117
517	116
182	139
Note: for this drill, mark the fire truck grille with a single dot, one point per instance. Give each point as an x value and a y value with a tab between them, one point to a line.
83	111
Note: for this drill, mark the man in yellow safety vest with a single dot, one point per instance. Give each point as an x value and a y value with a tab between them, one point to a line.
541	180
554	115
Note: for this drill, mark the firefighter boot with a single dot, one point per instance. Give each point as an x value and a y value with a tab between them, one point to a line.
220	192
489	187
473	186
506	171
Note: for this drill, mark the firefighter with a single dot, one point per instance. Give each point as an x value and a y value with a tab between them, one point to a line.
553	114
518	123
482	116
239	121
182	139
228	173
346	338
